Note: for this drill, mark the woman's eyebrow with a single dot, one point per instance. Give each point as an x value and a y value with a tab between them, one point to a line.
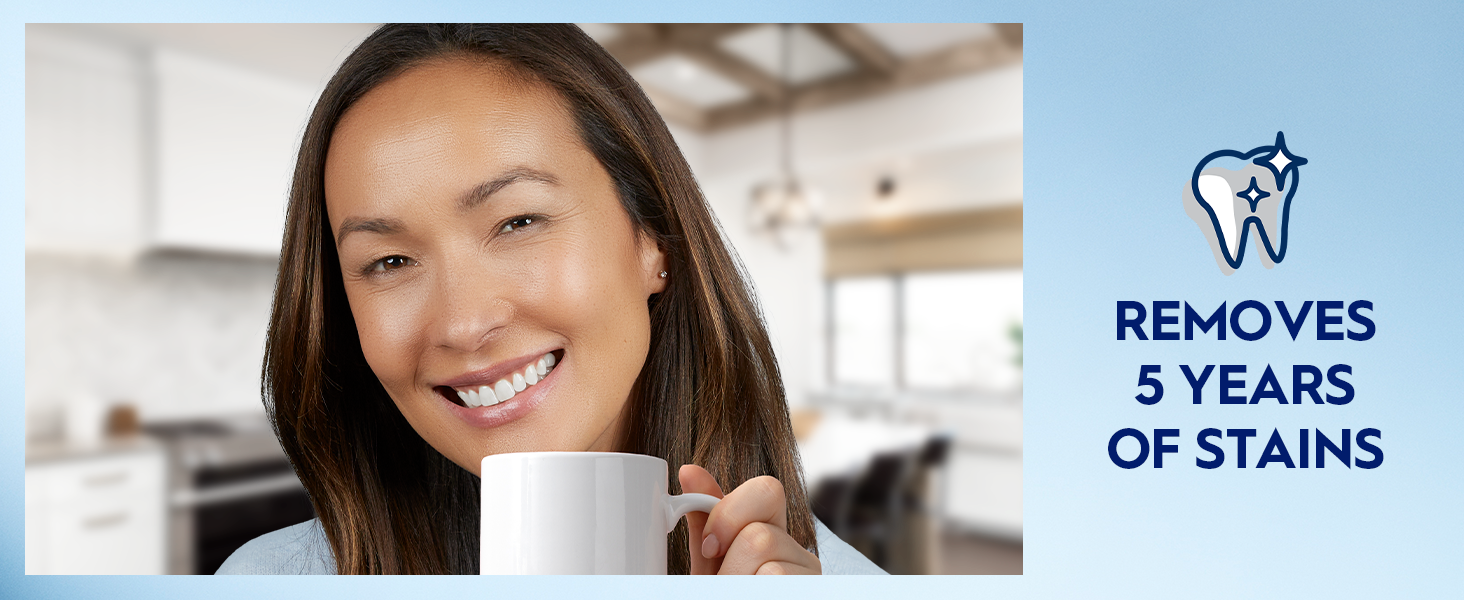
380	226
481	193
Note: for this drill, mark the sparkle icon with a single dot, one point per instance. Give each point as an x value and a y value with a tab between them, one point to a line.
1254	195
1280	161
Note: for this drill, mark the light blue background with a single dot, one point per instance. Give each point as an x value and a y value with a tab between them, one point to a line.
1120	106
1121	101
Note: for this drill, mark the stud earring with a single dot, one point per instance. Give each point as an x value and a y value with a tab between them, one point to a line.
663	274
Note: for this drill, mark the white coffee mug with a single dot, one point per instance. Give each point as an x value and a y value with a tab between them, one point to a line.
578	513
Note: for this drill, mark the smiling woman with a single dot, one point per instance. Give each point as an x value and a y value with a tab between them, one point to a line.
477	236
493	245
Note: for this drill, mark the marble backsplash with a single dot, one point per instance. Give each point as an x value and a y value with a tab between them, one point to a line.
177	336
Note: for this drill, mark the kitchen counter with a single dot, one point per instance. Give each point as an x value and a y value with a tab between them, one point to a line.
49	451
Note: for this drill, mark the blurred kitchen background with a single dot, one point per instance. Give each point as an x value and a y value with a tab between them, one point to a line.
869	176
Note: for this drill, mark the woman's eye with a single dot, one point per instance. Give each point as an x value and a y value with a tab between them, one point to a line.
516	223
391	263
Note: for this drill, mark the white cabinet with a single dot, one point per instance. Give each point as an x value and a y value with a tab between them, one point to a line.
35	524
984	491
84	146
134	148
984	471
99	515
227	139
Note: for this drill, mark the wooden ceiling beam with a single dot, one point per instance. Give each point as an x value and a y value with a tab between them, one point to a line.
638	43
703	34
970	57
966	58
1011	32
636	51
736	69
879	71
854	41
677	110
644	42
641	30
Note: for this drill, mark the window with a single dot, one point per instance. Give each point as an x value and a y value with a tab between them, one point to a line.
935	331
864	331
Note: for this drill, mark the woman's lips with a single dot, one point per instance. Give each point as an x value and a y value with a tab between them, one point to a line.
503	369
515	406
476	394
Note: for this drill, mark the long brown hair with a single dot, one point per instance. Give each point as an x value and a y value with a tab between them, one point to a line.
710	392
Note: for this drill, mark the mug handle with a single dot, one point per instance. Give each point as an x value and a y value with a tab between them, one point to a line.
678	506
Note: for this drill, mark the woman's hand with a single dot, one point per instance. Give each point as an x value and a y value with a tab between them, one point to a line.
747	533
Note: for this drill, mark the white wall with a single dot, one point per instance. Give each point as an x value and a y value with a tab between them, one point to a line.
952	145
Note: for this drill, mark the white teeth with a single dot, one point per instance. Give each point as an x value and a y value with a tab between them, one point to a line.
508	387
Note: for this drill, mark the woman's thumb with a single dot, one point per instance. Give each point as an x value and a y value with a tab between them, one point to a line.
696	480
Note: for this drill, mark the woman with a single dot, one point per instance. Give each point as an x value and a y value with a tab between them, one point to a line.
478	206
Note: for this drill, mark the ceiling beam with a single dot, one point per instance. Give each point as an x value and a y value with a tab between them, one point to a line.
962	59
703	34
677	110
638	43
644	42
854	41
736	69
878	70
1011	32
970	57
640	30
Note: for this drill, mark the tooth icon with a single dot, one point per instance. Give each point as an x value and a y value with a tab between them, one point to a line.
1227	203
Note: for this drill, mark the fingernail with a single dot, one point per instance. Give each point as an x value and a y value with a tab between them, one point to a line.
710	546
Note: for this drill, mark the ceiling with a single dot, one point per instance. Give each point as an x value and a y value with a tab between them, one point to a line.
713	76
306	53
705	76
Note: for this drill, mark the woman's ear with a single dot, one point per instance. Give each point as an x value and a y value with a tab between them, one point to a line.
653	264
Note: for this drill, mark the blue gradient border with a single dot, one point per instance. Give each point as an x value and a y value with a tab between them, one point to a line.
1118	99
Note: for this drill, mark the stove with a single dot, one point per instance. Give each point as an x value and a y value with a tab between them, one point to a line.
229	482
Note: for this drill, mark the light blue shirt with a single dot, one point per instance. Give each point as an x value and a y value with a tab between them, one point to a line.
302	549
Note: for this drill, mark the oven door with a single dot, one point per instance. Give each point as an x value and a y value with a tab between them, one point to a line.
232	505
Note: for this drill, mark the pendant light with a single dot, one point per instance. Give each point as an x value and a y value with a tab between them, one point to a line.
783	206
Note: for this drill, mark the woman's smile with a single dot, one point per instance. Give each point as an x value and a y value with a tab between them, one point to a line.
498	286
479	388
492	397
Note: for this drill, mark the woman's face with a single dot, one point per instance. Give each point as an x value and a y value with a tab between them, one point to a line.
477	234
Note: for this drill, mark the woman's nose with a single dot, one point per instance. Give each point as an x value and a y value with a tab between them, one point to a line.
468	309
